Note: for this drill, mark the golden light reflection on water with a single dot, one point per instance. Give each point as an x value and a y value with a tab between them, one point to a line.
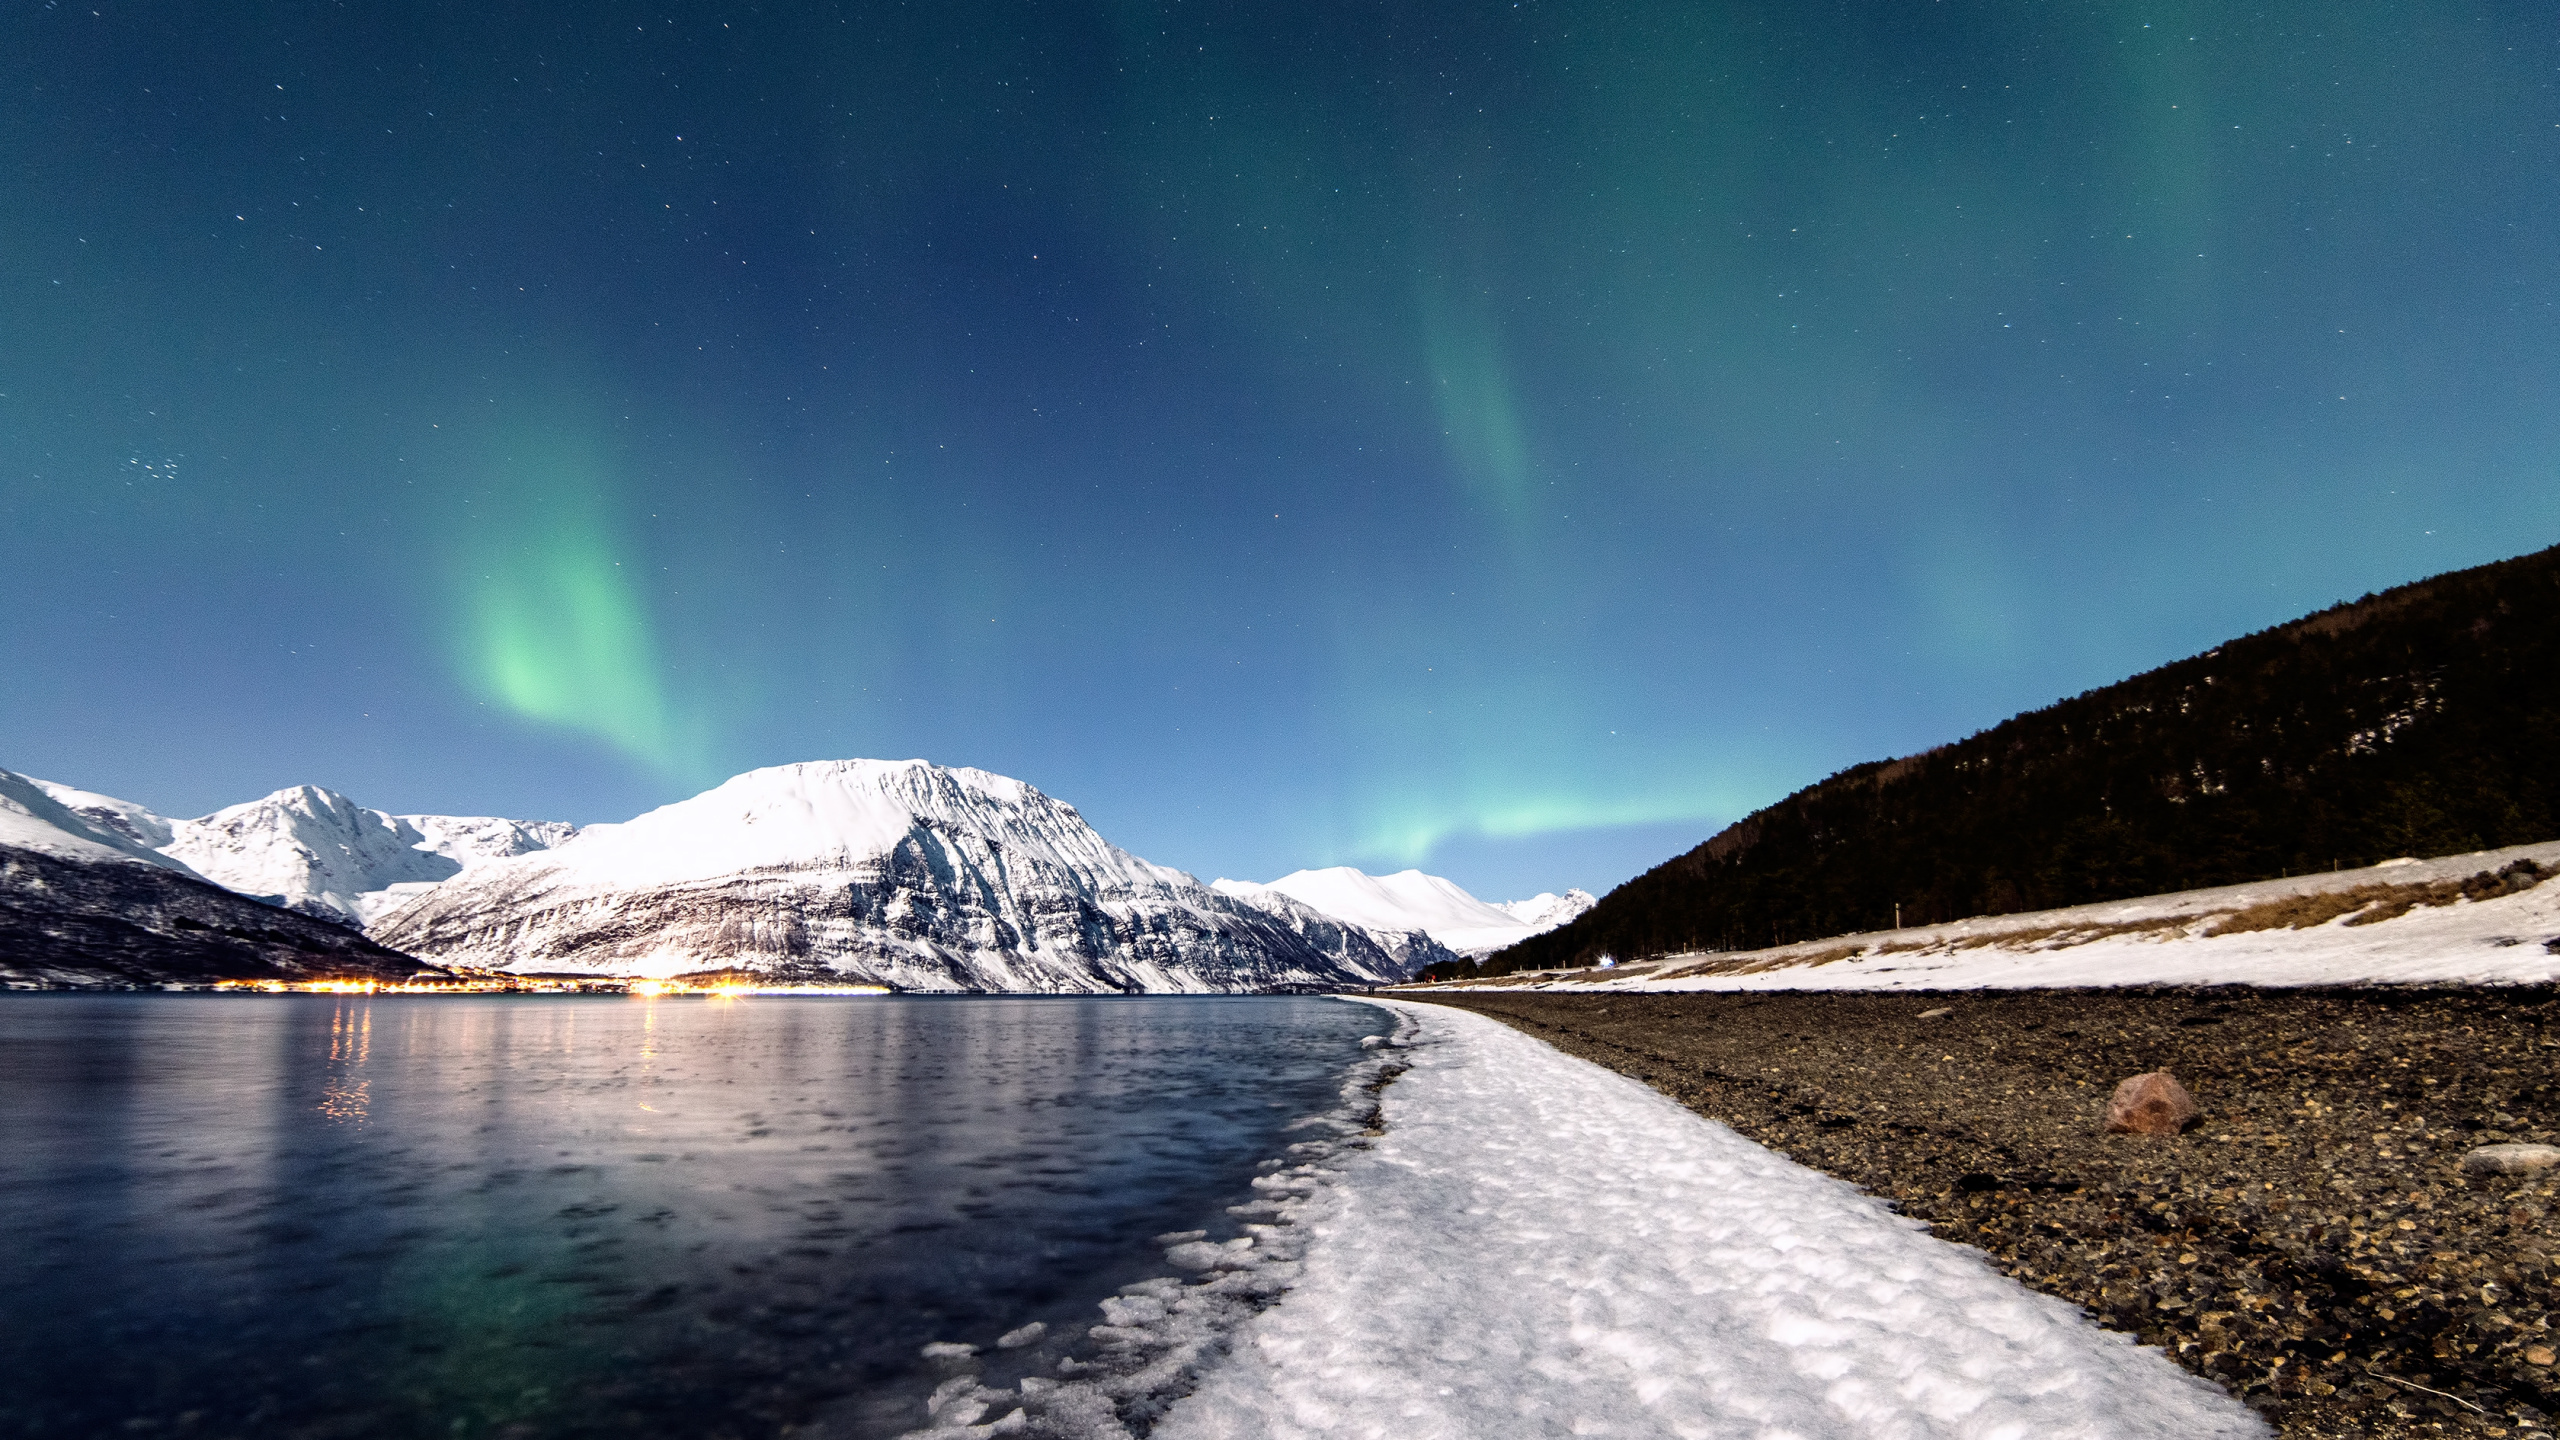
343	1099
649	1048
351	1034
345	1092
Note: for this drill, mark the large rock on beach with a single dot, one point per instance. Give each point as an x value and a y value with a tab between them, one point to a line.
2153	1104
2490	1161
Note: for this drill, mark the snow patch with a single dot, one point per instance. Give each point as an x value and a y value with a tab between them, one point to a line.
1509	1242
1537	1246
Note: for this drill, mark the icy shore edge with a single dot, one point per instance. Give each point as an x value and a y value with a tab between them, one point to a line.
1512	1242
1158	1337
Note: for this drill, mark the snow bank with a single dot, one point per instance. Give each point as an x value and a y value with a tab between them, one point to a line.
2157	940
1539	1247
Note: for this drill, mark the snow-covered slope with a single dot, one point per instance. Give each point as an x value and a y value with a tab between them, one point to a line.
308	848
1410	901
33	817
900	872
1405	952
2491	917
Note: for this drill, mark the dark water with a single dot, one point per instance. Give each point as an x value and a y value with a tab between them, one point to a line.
313	1216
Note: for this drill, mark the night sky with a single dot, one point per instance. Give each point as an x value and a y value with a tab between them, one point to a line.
1509	439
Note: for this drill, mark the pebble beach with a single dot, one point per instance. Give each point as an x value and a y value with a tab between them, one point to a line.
2314	1243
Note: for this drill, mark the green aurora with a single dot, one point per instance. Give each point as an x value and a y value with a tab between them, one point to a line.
1513	440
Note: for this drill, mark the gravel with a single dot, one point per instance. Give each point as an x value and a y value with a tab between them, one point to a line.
2315	1244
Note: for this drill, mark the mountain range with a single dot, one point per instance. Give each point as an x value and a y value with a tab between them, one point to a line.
313	850
84	904
895	872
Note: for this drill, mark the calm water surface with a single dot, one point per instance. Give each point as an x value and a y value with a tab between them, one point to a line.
314	1216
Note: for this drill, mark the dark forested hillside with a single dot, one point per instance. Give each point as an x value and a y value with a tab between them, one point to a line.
113	924
2424	720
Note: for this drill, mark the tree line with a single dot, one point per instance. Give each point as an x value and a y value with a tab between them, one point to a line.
2424	720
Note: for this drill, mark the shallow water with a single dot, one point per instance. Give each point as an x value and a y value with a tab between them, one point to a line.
321	1216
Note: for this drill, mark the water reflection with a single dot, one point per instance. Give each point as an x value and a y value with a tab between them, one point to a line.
312	1215
343	1094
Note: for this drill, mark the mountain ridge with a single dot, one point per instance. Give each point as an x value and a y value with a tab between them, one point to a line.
88	906
309	848
2421	720
895	872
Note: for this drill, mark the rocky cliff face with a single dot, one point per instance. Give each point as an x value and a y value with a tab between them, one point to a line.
894	872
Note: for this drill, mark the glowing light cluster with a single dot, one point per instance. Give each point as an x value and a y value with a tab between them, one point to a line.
732	989
492	982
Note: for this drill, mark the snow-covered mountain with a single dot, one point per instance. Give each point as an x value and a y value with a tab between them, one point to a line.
33	818
85	902
1549	911
1407	951
898	872
1410	902
311	849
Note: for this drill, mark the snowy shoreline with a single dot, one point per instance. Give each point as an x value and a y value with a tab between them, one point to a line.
2171	939
1538	1246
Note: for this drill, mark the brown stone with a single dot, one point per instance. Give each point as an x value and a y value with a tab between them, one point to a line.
2153	1104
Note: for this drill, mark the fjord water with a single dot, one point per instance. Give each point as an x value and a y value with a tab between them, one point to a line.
520	1216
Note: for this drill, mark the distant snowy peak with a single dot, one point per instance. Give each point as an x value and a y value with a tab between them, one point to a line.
899	872
1410	901
308	848
1550	911
840	812
1406	900
469	839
